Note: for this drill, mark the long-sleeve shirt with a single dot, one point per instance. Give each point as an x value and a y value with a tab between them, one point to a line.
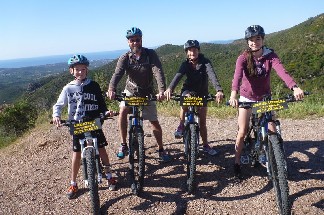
139	73
197	78
83	99
255	87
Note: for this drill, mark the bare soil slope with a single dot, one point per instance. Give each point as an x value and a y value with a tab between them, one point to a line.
35	175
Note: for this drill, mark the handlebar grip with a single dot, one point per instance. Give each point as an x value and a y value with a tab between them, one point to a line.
306	93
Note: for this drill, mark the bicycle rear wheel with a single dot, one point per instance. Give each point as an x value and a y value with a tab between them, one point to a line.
92	180
137	167
278	170
191	136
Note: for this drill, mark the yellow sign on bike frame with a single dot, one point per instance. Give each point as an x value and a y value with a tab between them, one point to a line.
193	101
136	101
267	106
80	128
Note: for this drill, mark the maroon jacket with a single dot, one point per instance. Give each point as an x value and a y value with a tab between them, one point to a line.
255	87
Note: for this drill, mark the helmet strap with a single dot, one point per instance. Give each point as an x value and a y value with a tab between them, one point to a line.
256	50
193	60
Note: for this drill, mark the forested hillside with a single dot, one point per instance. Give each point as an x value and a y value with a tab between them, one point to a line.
301	49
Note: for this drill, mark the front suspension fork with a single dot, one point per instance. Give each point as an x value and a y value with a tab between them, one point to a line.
86	143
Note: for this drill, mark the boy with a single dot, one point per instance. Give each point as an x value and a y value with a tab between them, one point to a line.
84	99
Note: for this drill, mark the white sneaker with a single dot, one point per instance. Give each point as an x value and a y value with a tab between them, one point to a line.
112	183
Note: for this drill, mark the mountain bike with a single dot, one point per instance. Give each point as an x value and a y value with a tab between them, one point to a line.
91	165
191	133
261	146
136	139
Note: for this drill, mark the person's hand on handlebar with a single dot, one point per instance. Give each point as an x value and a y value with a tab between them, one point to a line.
219	96
168	94
111	113
298	93
233	101
57	121
111	94
160	96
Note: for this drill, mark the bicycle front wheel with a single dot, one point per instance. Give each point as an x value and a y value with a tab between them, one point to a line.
137	166
92	180
191	151
278	173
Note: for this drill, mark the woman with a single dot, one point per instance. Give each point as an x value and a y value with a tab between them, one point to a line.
198	69
252	80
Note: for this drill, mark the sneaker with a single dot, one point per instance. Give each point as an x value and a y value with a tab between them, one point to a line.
237	171
112	183
164	157
179	132
122	151
209	150
72	191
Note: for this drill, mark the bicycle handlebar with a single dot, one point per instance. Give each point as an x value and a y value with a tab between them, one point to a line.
135	101
71	122
287	98
209	97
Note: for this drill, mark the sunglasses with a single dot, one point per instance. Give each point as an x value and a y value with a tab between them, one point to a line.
135	40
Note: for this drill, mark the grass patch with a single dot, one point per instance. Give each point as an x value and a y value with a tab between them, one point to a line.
6	138
310	108
297	110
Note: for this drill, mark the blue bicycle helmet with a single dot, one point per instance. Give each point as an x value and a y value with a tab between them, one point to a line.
190	44
78	59
254	30
133	32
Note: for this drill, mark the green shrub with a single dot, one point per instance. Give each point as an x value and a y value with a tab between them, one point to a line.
18	118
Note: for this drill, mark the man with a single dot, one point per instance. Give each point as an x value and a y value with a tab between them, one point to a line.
140	65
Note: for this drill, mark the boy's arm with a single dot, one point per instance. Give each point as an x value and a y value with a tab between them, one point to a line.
57	108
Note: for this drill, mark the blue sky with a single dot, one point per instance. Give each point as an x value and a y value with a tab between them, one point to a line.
35	28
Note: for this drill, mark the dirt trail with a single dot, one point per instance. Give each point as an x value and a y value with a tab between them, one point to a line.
35	175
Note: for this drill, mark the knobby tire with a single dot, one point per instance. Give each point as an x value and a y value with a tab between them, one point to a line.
278	169
191	151
137	172
93	183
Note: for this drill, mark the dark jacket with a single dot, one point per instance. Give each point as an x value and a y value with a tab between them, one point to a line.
139	73
197	78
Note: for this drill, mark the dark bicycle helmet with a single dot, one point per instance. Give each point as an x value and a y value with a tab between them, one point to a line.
254	30
78	59
191	43
133	32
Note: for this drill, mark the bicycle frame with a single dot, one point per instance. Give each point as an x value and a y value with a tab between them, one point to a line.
91	166
192	117
191	134
271	143
90	142
136	139
260	126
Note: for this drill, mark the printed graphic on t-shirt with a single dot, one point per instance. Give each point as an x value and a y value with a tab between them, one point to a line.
82	102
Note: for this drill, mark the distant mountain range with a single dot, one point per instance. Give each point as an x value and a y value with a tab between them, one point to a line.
37	61
221	41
